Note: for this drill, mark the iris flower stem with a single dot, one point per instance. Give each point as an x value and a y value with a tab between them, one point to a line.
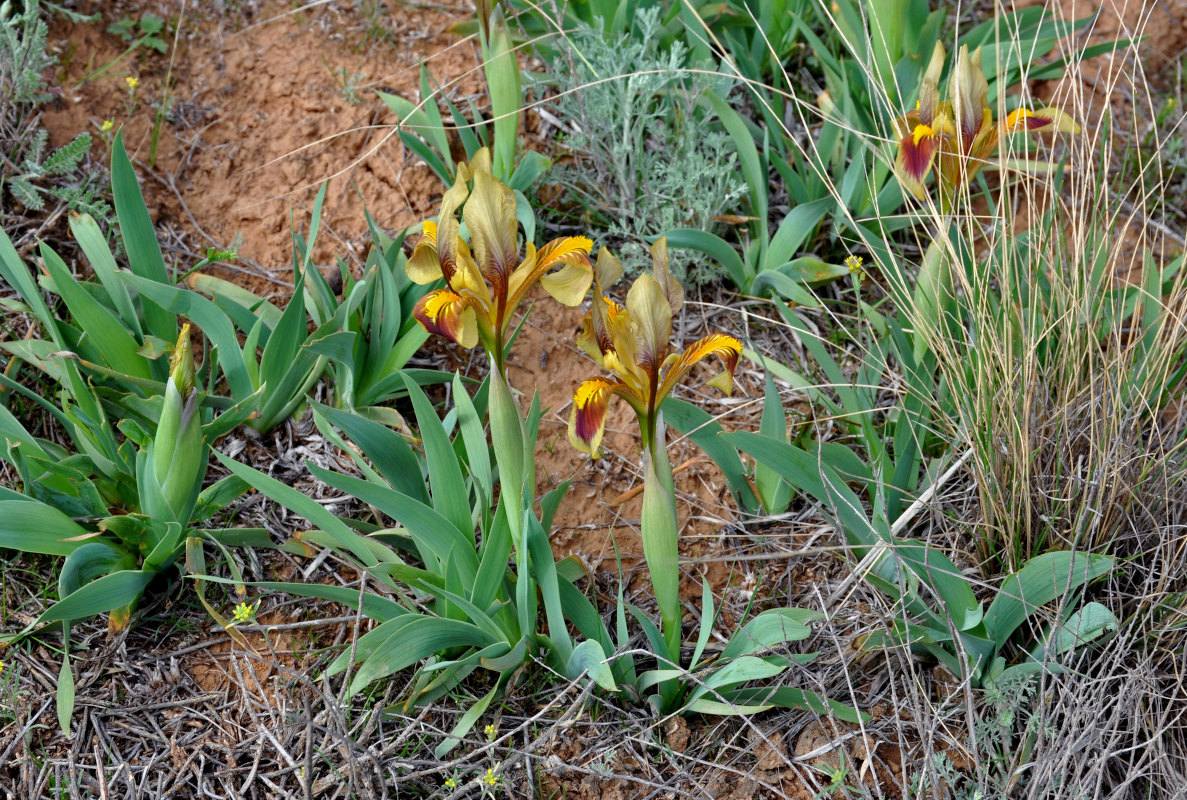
507	438
659	527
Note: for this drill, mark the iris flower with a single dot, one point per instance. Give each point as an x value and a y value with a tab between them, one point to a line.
485	278
632	342
959	133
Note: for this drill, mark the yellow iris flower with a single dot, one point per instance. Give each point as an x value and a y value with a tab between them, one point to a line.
960	132
632	342
486	280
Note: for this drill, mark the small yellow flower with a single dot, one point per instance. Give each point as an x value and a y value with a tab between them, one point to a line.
490	778
451	783
1	667
132	82
243	612
491	731
107	125
854	263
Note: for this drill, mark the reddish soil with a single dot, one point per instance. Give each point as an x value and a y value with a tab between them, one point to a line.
260	120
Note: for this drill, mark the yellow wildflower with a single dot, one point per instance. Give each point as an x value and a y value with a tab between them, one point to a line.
132	82
491	731
107	125
243	612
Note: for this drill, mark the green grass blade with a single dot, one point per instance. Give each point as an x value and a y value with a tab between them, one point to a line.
206	315
386	449
17	275
65	695
772	488
100	595
506	95
589	658
474	438
301	504
94	246
434	535
702	429
1040	581
716	248
419	638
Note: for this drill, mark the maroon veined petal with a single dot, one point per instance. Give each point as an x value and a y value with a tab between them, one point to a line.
1043	119
448	314
916	152
587	420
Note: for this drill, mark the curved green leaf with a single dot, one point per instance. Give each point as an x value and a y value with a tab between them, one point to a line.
1041	580
419	638
33	527
716	248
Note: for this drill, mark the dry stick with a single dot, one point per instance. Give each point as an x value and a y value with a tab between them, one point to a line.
28	726
628	494
875	553
99	770
307	778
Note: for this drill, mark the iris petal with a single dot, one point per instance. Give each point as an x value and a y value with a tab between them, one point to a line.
970	93
916	152
424	266
651	316
1044	119
447	225
727	348
607	270
490	216
929	90
448	314
569	285
673	291
587	420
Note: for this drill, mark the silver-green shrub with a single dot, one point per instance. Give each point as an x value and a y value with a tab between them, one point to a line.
644	156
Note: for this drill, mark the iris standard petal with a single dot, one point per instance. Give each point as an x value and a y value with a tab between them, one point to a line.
607	270
424	266
673	291
490	217
970	95
929	89
447	224
651	318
